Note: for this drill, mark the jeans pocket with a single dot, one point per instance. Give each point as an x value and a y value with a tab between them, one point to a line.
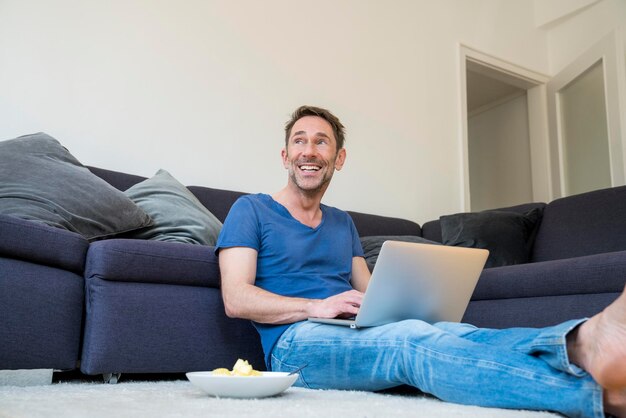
281	366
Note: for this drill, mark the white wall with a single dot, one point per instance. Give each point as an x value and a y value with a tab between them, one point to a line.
579	32
202	88
499	156
550	13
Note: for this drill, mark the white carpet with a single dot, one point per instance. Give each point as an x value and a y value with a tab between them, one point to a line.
181	399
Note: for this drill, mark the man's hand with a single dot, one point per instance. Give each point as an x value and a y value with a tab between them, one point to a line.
343	305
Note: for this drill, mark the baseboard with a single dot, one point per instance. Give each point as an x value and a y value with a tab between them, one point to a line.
25	377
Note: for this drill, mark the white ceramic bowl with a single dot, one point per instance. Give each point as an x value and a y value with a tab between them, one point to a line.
268	384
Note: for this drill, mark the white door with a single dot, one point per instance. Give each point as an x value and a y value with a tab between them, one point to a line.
587	117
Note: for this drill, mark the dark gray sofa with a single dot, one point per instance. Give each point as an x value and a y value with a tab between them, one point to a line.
41	295
135	306
156	306
577	264
124	305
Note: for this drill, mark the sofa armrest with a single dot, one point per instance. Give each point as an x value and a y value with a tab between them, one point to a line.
133	260
42	244
598	273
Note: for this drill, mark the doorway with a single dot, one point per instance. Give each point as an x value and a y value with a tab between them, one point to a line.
504	135
498	143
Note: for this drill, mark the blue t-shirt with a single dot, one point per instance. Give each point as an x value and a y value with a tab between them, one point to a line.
293	259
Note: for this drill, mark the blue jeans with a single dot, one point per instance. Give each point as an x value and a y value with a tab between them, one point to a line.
523	368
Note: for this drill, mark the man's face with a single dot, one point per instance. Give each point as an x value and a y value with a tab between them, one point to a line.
311	155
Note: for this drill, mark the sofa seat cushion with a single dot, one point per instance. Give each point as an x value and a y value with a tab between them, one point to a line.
536	311
152	328
42	244
132	260
599	273
583	224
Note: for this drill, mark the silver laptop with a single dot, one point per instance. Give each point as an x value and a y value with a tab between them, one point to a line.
418	281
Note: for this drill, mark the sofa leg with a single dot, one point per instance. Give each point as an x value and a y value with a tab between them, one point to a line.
111	378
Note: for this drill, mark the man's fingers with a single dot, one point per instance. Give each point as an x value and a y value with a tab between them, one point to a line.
353	296
354	301
343	304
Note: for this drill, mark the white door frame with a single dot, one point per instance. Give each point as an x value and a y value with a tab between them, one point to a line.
535	85
610	51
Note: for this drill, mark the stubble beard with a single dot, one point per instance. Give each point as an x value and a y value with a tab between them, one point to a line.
307	188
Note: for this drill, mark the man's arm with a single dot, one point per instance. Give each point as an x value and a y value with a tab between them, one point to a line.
242	299
360	274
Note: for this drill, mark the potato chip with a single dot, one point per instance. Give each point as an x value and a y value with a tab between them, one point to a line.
241	368
221	372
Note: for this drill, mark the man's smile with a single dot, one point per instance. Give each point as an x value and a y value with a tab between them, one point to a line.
309	166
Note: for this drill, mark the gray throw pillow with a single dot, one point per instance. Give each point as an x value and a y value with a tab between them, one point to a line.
41	181
372	245
507	235
177	214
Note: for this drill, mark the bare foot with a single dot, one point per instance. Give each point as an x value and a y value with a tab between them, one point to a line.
615	402
599	347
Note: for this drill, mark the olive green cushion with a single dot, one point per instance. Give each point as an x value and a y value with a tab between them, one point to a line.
177	214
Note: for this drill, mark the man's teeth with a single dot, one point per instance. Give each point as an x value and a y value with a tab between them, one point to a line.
309	168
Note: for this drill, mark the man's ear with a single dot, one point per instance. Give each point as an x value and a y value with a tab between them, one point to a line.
340	159
285	157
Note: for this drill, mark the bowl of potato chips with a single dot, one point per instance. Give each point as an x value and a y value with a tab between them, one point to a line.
242	381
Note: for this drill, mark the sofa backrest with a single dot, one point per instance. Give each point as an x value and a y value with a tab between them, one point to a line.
373	225
219	201
583	224
216	200
120	181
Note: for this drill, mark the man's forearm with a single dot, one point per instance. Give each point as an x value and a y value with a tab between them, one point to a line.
254	303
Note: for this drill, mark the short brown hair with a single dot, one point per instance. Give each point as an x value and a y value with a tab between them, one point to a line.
302	111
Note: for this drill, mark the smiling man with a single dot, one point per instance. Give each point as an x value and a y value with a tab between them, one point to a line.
311	161
287	257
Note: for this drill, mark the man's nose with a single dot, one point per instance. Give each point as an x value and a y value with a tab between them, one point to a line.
310	149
